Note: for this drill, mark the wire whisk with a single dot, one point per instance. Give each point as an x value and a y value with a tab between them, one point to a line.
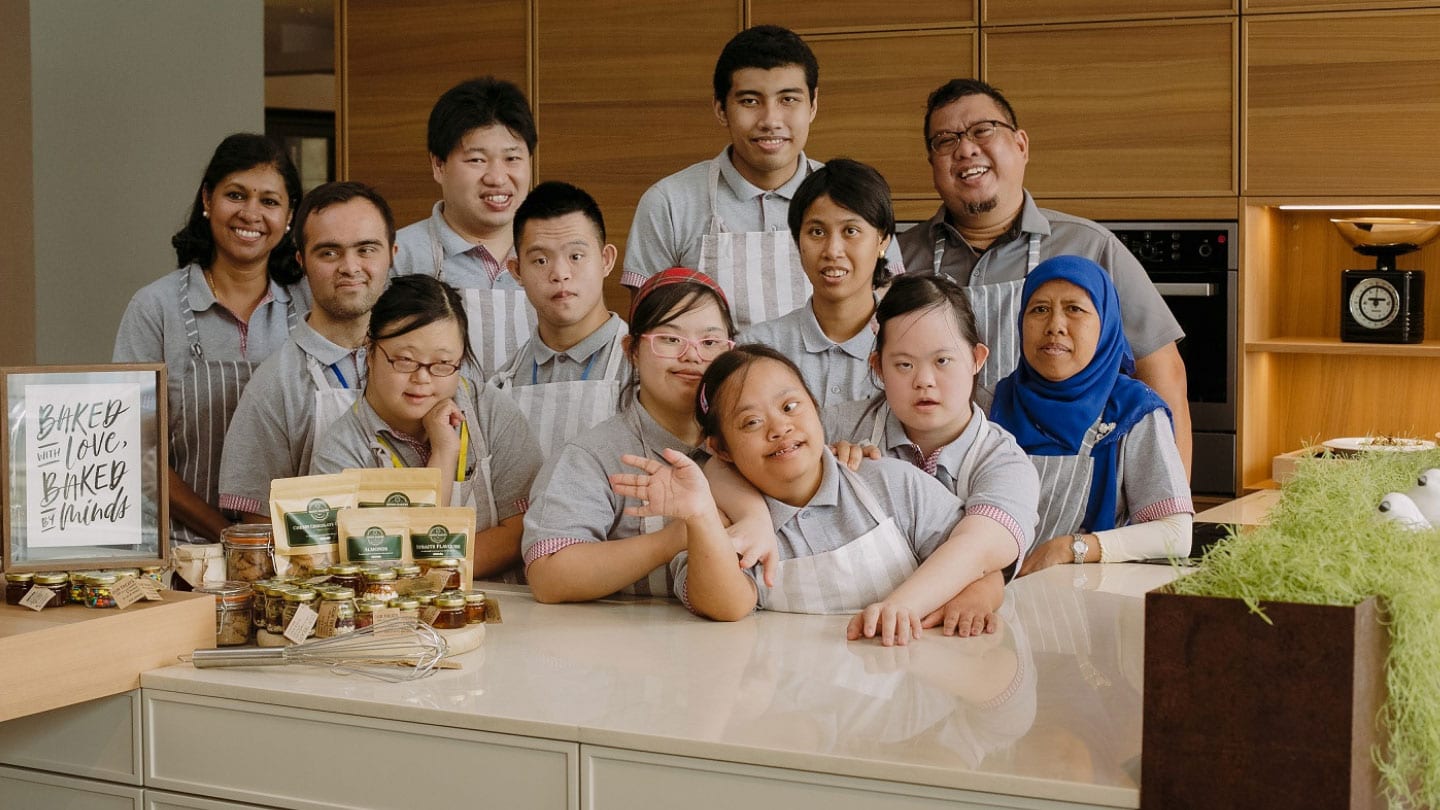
392	650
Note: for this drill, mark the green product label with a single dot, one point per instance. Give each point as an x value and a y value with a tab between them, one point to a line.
393	499
374	545
437	543
313	527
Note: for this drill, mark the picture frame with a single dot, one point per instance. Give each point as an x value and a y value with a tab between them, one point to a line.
86	467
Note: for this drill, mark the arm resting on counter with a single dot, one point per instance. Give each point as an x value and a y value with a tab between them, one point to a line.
585	571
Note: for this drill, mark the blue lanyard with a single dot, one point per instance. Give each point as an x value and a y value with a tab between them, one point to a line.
335	367
584	375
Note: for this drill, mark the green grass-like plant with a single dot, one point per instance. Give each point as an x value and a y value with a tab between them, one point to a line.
1325	544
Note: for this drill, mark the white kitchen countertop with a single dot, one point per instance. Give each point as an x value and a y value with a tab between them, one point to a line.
1048	708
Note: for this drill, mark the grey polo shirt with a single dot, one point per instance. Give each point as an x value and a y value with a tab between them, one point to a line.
572	502
674	214
272	433
1149	326
835	372
924	511
1002	483
536	363
497	429
467	266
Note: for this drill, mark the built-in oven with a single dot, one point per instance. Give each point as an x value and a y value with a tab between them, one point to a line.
1195	268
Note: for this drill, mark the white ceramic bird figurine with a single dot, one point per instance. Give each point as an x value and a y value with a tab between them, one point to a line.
1426	495
1398	507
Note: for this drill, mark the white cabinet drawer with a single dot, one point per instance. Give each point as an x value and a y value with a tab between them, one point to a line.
160	800
99	739
617	779
27	789
307	760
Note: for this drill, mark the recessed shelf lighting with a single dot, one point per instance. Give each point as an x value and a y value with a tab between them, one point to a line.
1360	207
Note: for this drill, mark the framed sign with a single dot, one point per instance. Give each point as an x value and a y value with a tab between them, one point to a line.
86	469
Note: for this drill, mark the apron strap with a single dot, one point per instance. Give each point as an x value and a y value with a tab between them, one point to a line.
866	496
617	353
877	431
187	317
1032	253
437	252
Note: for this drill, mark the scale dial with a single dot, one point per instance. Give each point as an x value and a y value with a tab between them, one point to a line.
1374	303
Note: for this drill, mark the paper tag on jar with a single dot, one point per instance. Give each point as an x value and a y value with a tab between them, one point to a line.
385	614
428	614
299	628
37	598
325	624
438	578
126	592
150	587
320	580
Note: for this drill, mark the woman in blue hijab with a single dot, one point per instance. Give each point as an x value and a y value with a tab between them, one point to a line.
1112	486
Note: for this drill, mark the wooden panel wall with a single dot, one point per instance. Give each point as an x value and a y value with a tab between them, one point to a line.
395	60
1169	132
810	16
1005	12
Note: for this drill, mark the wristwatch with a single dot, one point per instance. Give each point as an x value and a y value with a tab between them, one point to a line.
1080	547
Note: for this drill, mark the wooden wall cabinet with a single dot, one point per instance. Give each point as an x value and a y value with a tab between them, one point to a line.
1284	6
1010	12
872	100
1299	383
1342	104
812	16
1122	110
395	60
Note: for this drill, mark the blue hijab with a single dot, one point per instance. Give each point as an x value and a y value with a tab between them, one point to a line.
1051	418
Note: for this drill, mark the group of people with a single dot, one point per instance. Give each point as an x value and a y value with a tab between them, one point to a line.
802	410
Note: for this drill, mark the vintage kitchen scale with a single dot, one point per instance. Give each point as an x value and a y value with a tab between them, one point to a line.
1384	305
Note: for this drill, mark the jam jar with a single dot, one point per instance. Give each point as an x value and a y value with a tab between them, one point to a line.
275	608
365	612
409	607
380	583
249	551
340	601
475	607
16	586
97	589
448	564
452	611
58	582
261	590
234	624
294	598
347	575
408	578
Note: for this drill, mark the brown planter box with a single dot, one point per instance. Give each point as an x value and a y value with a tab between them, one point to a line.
1240	713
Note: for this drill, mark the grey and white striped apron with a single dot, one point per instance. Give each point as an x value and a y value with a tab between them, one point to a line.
759	271
330	402
501	320
660	581
205	400
558	411
859	573
1065	487
997	311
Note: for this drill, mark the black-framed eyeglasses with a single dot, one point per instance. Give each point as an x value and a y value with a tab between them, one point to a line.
407	366
946	141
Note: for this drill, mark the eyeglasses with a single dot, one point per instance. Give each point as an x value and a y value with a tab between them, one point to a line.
664	344
946	141
408	366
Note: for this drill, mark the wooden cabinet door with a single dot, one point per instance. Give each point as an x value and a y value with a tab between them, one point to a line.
872	99
1122	110
1004	12
396	59
1342	104
808	16
624	101
1267	6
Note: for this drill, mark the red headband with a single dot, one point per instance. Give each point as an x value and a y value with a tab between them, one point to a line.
675	275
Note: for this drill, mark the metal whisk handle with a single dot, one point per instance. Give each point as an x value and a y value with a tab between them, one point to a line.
239	657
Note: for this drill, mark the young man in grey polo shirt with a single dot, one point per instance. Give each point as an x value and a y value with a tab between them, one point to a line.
988	233
345	240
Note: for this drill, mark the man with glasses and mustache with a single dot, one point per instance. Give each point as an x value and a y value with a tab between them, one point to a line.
988	234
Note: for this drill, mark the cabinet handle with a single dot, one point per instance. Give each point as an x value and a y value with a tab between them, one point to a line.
1181	290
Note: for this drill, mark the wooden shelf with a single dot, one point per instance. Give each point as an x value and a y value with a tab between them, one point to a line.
1334	346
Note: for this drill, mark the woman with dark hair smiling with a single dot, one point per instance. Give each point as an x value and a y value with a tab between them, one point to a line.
212	321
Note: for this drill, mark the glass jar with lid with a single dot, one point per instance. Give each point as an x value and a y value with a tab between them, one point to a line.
16	586
97	589
365	612
249	551
475	607
294	598
451	613
380	583
233	620
261	593
77	587
409	607
449	565
58	583
340	602
154	572
408	578
347	575
275	608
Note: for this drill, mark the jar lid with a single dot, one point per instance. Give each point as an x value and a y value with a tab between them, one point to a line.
407	570
450	599
230	591
299	595
52	578
125	572
101	578
380	575
425	598
407	603
247	534
474	598
19	576
338	594
445	562
369	605
344	569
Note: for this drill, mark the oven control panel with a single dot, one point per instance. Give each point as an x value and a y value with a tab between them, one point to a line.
1179	246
